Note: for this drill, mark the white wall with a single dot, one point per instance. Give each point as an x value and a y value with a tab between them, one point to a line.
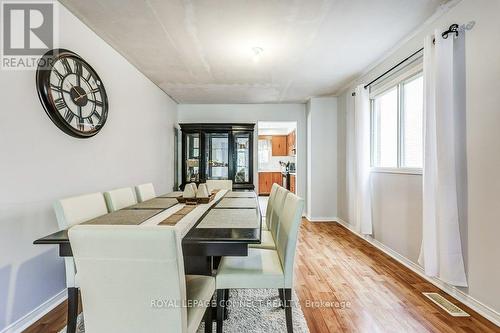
322	159
397	198
273	165
39	163
252	113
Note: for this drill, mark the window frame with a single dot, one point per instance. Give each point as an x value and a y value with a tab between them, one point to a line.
398	81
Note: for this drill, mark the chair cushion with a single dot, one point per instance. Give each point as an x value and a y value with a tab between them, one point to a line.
267	241
260	269
199	289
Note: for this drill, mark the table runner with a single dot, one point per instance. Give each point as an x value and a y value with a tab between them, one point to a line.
155	203
177	216
237	203
231	218
125	217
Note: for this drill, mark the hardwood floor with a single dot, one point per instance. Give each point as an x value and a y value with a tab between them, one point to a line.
380	295
361	290
52	322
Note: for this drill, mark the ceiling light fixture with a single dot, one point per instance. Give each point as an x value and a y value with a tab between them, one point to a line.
257	53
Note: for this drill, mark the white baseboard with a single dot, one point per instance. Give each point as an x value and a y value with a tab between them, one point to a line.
321	218
454	292
27	320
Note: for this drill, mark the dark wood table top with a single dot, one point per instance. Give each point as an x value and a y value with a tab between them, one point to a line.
57	237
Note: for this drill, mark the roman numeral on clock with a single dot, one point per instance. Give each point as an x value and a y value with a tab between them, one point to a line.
78	68
96	115
66	65
55	88
97	103
59	75
60	103
80	122
68	116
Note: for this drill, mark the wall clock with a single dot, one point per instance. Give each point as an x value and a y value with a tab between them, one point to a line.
71	93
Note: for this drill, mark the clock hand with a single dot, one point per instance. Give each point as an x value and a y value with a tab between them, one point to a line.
73	87
92	91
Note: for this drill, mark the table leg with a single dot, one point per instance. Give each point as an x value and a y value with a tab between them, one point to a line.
72	309
226	298
198	265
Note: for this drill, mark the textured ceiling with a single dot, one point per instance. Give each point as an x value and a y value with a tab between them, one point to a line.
201	51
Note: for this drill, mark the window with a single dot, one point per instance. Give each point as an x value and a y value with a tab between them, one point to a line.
397	125
264	151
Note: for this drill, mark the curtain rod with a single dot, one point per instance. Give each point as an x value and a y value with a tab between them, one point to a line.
452	29
394	67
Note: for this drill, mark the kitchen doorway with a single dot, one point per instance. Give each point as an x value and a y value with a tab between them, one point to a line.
276	157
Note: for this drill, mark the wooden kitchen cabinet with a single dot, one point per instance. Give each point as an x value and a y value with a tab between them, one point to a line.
265	182
279	146
277	178
267	179
292	184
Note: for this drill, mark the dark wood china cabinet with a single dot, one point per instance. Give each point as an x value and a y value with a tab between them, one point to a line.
218	151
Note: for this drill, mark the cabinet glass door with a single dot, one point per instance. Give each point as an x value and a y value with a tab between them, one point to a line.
242	150
192	157
217	155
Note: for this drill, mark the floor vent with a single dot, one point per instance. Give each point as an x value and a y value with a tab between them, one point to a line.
446	305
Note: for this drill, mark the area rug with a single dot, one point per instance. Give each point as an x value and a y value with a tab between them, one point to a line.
252	310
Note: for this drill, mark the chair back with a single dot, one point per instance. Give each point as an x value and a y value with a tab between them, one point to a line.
279	202
120	198
145	192
270	202
287	234
74	210
219	184
131	278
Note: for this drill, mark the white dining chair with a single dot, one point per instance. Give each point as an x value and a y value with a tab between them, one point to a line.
263	268
145	192
71	211
268	237
132	280
220	184
269	208
120	198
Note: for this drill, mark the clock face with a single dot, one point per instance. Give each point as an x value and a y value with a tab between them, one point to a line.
72	93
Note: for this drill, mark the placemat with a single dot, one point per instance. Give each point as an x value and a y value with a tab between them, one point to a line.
232	194
231	218
155	203
177	216
125	217
237	203
171	195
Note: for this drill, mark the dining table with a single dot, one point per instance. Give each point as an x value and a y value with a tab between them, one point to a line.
225	226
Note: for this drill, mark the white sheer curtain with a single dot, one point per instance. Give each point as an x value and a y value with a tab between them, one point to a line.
444	151
358	165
